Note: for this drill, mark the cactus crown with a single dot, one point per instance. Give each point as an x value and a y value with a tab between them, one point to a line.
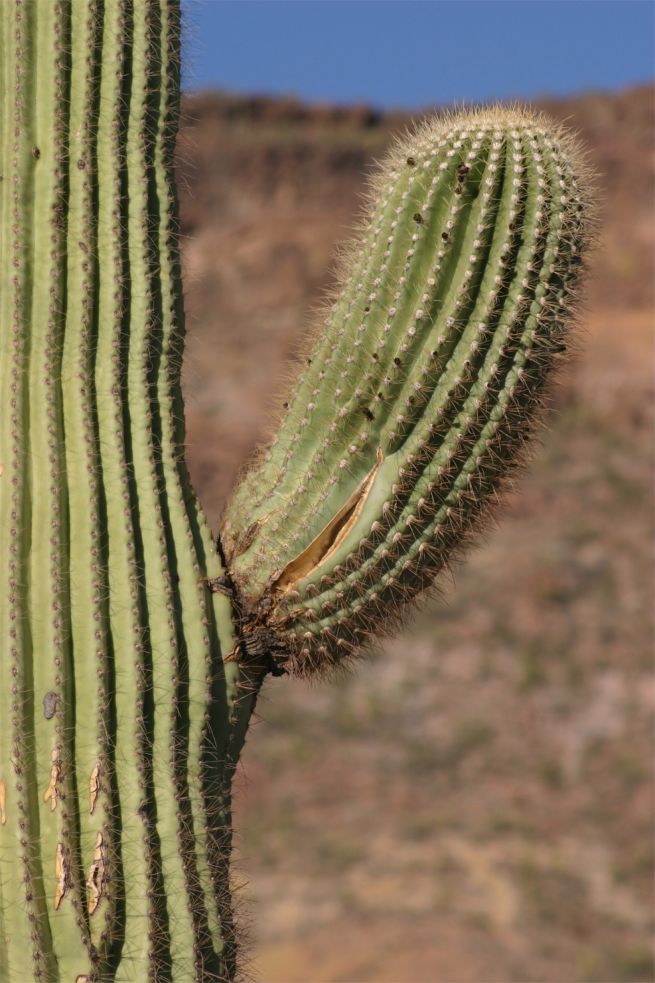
418	393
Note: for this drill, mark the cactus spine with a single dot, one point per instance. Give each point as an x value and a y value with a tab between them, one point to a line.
120	724
126	684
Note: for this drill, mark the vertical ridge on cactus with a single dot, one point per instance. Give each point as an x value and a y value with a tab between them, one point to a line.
131	649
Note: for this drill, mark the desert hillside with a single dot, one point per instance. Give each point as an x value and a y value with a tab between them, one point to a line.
475	803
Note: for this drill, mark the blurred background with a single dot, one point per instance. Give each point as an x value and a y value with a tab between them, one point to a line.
475	803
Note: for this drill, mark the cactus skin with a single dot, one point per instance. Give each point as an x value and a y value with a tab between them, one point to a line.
120	724
420	391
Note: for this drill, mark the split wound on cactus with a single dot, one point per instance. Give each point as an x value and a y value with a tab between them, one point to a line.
330	538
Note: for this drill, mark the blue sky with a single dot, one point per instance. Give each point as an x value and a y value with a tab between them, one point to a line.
408	53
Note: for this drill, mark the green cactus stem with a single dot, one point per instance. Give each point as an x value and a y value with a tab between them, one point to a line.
120	724
420	390
131	653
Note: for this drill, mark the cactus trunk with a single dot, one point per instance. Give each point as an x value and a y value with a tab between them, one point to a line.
120	723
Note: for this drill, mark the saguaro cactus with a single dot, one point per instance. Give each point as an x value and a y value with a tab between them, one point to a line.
130	654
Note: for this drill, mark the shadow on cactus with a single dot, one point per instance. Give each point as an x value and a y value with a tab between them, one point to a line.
132	648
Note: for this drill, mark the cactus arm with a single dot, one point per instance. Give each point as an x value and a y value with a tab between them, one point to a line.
446	402
417	400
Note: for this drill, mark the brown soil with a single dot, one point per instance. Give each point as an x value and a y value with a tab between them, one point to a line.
475	802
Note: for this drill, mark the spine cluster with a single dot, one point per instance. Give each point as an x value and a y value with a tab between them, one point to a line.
421	387
120	726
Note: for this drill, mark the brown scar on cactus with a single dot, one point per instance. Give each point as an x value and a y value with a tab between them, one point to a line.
96	878
51	793
62	875
94	787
